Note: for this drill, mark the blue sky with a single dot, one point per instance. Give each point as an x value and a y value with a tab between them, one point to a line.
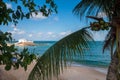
54	27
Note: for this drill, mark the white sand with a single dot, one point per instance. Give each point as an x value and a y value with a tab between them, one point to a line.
71	73
25	44
82	73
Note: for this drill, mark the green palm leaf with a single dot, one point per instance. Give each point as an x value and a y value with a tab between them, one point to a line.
52	62
92	8
110	40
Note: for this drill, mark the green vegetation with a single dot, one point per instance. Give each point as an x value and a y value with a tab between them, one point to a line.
9	55
24	10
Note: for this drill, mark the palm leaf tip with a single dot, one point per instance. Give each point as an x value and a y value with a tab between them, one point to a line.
53	61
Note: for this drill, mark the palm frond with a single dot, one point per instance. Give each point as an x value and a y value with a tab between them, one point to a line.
93	7
52	62
95	18
110	40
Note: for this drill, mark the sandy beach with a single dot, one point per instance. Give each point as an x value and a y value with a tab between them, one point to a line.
82	73
25	44
71	73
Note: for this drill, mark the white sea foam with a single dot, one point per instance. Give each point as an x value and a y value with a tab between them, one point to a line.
102	70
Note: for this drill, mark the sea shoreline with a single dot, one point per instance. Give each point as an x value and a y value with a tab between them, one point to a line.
99	69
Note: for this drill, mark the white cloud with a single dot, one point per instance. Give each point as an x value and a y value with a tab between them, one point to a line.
38	16
17	31
40	33
101	14
30	35
54	36
21	32
65	33
8	5
49	33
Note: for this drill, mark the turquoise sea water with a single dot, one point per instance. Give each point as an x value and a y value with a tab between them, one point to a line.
92	57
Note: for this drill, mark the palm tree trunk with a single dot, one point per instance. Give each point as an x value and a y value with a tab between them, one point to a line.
118	48
112	70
